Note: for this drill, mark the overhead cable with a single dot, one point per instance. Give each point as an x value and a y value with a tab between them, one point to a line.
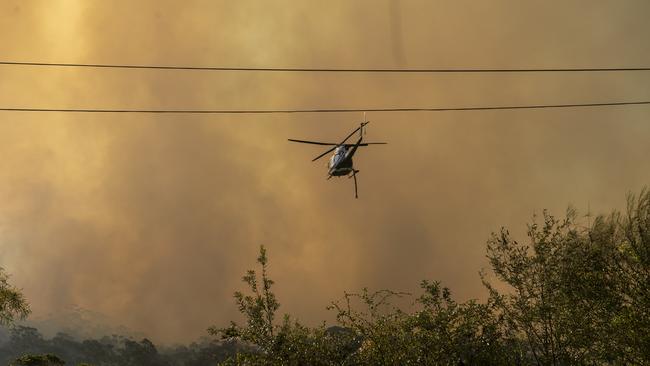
331	70
319	110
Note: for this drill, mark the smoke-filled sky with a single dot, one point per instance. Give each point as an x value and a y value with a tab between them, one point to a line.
152	219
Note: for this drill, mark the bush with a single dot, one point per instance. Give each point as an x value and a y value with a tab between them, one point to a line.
578	295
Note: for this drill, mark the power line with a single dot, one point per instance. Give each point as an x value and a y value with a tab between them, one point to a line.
335	110
300	69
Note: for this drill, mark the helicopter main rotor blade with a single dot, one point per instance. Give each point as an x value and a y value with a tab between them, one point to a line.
356	193
367	143
323	154
313	142
334	146
353	132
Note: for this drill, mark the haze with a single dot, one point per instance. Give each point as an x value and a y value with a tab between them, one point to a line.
152	219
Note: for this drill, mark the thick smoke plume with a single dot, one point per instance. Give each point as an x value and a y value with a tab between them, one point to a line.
153	219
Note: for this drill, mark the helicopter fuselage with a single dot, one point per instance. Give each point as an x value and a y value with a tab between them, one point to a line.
340	164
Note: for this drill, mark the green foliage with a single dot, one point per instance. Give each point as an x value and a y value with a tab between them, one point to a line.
576	296
258	307
449	332
39	360
379	327
289	343
568	295
13	305
442	332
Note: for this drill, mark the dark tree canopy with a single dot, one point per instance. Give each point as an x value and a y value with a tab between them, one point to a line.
39	360
28	345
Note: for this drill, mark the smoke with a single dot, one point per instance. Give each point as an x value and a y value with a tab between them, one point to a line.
153	219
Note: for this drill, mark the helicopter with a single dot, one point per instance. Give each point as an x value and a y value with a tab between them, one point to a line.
340	163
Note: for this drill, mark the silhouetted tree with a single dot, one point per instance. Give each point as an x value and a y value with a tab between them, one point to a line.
12	302
141	353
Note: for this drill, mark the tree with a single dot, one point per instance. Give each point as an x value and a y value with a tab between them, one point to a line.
443	332
440	332
141	353
258	307
26	340
262	342
578	295
624	239
13	305
39	360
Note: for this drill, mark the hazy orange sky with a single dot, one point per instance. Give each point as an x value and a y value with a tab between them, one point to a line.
152	219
